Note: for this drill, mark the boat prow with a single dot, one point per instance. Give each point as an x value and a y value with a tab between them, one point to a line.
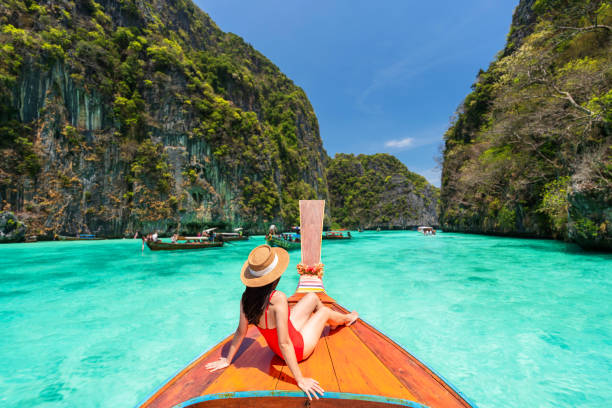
357	366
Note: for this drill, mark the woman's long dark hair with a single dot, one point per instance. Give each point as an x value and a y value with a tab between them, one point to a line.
254	300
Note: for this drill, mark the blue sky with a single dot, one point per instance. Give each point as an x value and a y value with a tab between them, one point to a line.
382	76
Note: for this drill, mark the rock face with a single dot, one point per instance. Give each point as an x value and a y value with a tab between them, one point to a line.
523	23
590	219
371	191
141	115
530	150
11	229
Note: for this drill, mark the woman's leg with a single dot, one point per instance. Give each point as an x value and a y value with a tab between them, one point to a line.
302	310
311	332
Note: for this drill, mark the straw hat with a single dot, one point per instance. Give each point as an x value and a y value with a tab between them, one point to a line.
264	265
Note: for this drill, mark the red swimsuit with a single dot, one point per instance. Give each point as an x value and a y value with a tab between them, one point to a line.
271	335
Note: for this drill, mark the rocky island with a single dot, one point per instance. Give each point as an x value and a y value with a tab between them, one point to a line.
529	152
378	191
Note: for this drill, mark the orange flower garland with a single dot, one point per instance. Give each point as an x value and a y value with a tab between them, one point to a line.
316	270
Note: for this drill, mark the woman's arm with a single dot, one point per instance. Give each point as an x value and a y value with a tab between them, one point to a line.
239	335
280	308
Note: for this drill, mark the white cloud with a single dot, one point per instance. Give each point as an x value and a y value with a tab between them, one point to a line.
400	144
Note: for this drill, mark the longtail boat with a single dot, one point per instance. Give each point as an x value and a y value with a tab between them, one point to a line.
286	240
426	230
190	243
232	236
80	237
357	366
336	235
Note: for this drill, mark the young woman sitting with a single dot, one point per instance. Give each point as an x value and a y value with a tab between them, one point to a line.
292	333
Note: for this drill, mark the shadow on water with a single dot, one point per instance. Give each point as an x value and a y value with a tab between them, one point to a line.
32	277
576	250
13	277
74	286
94	361
478	279
52	393
555	340
549	246
482	269
13	293
167	272
8	315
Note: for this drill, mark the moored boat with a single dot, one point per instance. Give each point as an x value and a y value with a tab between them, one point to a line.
189	243
426	230
337	235
229	237
286	240
357	366
237	235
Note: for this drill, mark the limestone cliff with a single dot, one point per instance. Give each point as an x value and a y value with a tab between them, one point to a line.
372	191
530	150
135	115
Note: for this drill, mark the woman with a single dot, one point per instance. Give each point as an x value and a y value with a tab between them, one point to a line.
291	333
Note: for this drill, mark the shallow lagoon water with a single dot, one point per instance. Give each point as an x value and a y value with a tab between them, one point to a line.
509	322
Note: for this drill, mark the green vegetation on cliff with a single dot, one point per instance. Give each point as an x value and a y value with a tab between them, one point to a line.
530	150
116	116
379	191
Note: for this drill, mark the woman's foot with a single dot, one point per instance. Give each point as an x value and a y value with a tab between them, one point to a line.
350	319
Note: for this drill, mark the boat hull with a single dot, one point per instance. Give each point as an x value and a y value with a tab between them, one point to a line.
293	399
357	366
331	238
230	239
166	246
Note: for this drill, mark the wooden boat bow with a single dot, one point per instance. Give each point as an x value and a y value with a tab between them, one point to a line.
357	366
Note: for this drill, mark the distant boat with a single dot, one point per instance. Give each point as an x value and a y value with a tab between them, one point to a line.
190	243
237	235
232	236
357	366
426	230
286	240
336	235
79	237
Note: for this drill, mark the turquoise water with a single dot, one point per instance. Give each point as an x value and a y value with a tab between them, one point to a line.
509	322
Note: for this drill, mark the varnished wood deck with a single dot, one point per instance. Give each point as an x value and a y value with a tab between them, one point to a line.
355	360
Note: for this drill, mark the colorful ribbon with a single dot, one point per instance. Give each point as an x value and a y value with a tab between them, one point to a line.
316	270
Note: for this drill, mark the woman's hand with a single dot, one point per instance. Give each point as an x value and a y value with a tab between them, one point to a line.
220	364
311	387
